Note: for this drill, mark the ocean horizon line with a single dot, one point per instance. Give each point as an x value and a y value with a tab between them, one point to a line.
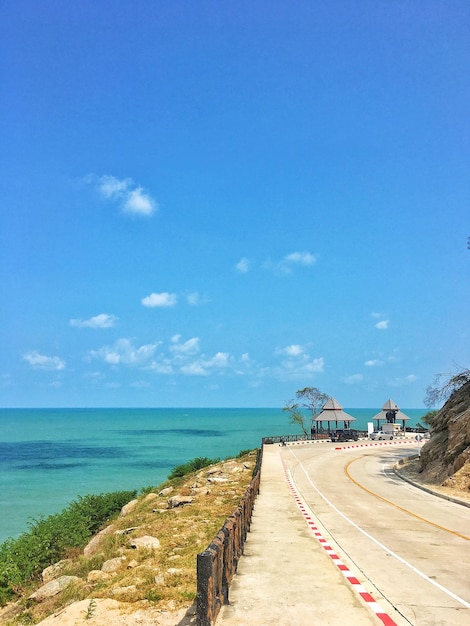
182	407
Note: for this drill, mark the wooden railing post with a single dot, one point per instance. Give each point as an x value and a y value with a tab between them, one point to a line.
204	577
217	565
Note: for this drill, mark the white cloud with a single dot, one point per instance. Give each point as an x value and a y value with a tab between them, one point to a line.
163	299
205	366
383	324
139	202
312	366
41	361
195	299
292	350
298	363
123	352
315	365
195	369
110	186
163	366
191	346
220	359
243	265
289	261
298	359
402	381
374	363
300	258
299	368
166	299
132	198
103	320
183	356
354	379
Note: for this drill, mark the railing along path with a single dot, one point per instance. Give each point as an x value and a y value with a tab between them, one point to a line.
216	566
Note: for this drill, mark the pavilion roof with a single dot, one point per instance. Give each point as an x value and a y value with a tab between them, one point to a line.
390	405
332	411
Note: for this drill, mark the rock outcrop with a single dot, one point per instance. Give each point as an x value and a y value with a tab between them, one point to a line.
445	458
53	587
54	571
151	543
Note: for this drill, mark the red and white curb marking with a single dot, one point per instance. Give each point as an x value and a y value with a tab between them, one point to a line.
357	586
378	443
398	442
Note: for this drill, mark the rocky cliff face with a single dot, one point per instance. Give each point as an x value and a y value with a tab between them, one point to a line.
445	458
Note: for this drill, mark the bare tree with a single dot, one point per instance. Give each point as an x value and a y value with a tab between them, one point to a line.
311	400
444	386
295	415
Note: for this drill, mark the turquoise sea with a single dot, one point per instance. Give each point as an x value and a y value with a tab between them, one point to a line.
48	457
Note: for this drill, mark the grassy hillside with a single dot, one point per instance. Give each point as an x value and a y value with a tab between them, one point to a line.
184	514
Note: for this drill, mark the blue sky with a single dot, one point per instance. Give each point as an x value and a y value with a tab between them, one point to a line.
218	203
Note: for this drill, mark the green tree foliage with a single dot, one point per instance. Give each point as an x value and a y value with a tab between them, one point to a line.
312	398
49	539
429	416
308	399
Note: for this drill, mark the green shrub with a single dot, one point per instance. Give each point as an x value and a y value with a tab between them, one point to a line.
191	466
153	595
146	490
49	539
91	609
243	453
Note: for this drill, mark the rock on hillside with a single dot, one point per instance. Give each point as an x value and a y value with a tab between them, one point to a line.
141	569
445	458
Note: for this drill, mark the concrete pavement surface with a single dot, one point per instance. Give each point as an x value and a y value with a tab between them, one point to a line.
285	576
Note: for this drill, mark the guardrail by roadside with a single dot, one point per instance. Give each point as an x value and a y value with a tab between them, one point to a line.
323	437
216	566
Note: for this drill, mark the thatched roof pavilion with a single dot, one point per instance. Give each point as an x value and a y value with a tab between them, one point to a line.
332	411
391	414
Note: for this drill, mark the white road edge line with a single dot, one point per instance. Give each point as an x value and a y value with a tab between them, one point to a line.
376	541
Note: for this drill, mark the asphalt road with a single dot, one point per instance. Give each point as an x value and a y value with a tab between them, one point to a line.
410	549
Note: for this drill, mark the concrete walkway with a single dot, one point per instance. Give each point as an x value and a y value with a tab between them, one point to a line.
285	576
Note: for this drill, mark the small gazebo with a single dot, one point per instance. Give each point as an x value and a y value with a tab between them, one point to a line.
332	411
391	414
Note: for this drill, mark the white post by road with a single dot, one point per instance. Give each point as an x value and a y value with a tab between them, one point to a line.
419	437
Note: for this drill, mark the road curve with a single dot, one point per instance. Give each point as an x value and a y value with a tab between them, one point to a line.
409	548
